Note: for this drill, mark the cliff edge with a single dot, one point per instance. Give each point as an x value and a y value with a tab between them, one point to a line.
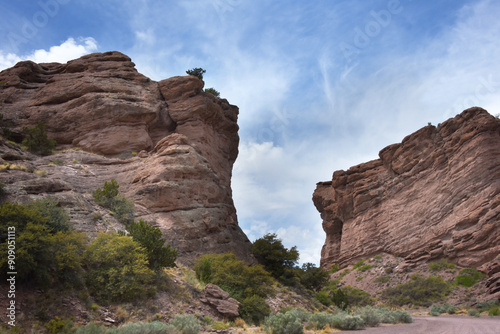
434	195
170	146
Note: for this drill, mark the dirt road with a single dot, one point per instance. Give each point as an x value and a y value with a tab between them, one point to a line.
441	325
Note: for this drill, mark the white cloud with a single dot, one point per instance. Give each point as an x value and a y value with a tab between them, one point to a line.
68	50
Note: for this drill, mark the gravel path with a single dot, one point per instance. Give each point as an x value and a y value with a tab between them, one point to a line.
441	325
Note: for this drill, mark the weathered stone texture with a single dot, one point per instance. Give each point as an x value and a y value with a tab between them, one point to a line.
435	195
170	146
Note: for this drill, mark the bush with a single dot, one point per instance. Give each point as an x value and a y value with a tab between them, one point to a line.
197	72
312	277
121	208
117	269
283	323
474	313
59	326
186	324
442	264
469	277
346	321
494	312
419	291
150	238
387	316
57	219
321	320
369	315
91	328
36	140
254	309
234	276
357	297
43	255
323	298
212	91
154	327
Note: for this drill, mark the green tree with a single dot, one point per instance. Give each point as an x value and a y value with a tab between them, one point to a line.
57	218
312	277
212	91
197	72
150	238
36	140
275	258
117	269
44	255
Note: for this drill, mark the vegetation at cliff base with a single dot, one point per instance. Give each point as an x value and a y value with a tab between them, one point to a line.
120	207
250	285
419	291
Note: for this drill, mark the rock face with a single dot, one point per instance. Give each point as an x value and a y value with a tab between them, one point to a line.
170	146
220	300
435	195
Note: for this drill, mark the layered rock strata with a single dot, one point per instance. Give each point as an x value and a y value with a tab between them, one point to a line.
434	195
170	146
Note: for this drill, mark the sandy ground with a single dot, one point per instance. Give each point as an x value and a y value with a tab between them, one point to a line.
441	325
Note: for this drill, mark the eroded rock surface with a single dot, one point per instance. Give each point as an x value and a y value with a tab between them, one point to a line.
170	146
435	195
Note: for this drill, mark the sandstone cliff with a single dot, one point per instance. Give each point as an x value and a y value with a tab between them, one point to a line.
170	146
435	195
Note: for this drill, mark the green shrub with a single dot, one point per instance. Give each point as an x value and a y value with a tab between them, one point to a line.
120	207
359	264
474	313
44	256
59	326
57	218
442	264
321	320
36	140
254	309
357	297
323	298
117	269
369	315
469	277
150	238
334	268
234	276
346	321
486	306
154	327
212	91
382	279
388	316
197	72
91	328
419	291
186	324
339	299
494	312
283	323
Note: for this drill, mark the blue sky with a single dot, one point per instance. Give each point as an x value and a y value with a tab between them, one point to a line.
321	85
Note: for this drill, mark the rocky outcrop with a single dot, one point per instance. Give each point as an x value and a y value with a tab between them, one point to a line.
434	195
220	301
170	146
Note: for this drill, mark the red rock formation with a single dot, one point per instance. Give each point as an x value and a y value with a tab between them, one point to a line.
187	142
435	195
